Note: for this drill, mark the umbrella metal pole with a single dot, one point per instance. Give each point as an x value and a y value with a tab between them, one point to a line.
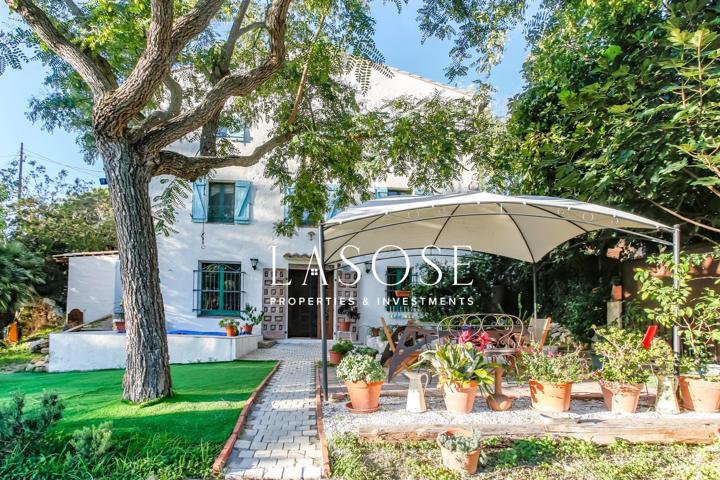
323	313
534	269
676	285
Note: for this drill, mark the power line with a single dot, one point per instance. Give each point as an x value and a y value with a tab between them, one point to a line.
87	171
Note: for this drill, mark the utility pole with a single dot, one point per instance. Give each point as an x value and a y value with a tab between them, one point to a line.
20	172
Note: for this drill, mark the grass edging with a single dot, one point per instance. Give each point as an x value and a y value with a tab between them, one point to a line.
321	427
222	458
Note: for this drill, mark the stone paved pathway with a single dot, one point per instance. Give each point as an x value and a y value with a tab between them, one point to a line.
280	440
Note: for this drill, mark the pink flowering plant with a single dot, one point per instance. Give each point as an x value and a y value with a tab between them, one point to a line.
549	367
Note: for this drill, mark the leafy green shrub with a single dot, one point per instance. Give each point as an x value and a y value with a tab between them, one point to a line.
460	443
342	346
364	350
552	367
625	360
22	431
458	364
360	368
698	317
476	268
20	273
92	442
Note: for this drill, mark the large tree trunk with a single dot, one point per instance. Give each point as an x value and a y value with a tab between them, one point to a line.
147	372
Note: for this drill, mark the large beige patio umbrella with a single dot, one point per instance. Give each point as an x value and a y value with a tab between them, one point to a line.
525	228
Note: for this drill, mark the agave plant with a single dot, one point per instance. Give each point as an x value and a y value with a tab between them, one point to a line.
458	364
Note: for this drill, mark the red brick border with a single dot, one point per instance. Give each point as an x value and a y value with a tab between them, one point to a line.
222	458
321	427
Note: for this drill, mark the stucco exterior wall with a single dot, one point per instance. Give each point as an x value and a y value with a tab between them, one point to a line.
92	285
181	253
103	350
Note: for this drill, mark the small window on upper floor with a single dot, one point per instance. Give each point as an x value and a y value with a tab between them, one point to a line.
396	192
382	192
221	204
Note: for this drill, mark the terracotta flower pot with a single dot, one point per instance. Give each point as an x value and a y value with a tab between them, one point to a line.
621	397
363	395
699	395
336	357
459	461
617	292
119	326
344	326
231	331
550	397
460	399
247	328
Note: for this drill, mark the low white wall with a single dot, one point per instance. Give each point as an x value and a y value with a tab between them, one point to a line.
103	350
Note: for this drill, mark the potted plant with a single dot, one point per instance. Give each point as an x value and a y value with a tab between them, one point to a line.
461	370
364	350
251	318
350	311
363	376
698	322
230	325
551	376
625	366
339	349
119	319
460	449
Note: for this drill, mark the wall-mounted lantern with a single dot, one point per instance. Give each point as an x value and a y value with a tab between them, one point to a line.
254	263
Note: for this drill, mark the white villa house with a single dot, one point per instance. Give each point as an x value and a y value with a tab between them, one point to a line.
221	256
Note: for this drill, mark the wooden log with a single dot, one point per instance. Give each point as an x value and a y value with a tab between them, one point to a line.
602	432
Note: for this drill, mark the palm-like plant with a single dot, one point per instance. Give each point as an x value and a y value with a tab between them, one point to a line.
20	272
458	364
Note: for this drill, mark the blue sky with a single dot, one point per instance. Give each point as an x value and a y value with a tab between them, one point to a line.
397	36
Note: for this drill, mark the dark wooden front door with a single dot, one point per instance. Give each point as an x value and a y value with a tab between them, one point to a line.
302	305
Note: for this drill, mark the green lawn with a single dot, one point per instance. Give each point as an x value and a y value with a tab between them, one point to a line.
173	438
527	459
205	406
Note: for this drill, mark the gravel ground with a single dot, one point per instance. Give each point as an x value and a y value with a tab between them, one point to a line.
392	412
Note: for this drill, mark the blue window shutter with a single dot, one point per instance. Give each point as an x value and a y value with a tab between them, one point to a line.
199	201
332	202
242	202
246	135
381	192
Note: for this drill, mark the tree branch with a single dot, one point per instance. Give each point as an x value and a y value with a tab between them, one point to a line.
157	116
233	36
113	112
165	41
94	73
190	168
303	78
229	86
685	219
74	10
192	24
696	177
